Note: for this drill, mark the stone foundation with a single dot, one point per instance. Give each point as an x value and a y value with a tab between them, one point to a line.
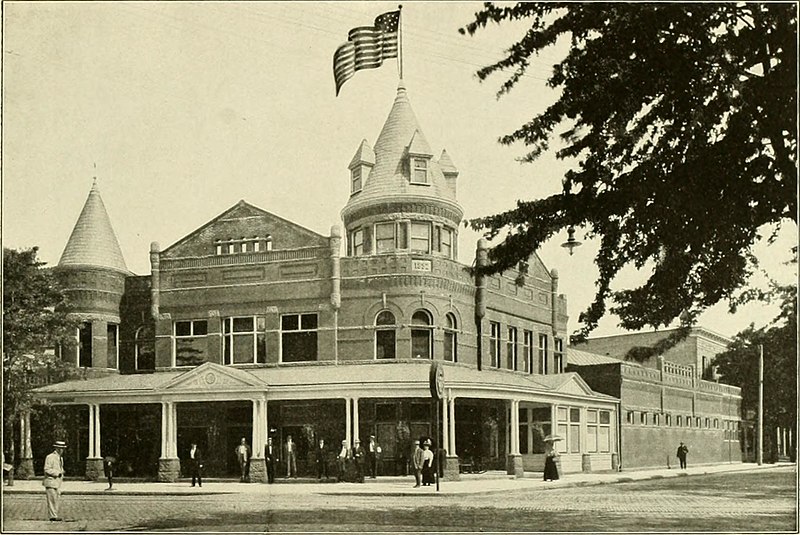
514	465
451	471
94	468
258	470
169	470
25	469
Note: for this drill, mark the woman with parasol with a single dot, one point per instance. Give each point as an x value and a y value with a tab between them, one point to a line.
550	454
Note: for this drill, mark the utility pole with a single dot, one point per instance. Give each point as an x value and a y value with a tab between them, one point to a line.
760	453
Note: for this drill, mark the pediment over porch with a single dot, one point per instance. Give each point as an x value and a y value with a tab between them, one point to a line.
573	383
213	377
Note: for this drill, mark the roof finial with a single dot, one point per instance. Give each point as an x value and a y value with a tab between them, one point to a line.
94	176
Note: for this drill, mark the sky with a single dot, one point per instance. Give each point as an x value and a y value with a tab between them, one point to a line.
181	109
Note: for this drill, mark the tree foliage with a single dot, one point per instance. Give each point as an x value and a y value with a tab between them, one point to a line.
681	120
34	322
739	364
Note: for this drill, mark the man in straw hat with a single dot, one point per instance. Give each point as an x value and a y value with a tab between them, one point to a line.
53	476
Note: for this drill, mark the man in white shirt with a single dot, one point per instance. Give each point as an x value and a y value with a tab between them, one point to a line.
373	449
53	476
243	457
271	457
290	450
341	460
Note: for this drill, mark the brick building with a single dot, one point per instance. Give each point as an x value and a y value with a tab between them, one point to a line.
254	326
667	399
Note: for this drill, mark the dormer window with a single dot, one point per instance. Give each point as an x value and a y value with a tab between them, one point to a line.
419	171
355	180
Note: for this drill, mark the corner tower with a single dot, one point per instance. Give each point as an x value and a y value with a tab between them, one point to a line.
402	199
93	271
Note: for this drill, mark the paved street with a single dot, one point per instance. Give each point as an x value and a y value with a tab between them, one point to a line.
755	500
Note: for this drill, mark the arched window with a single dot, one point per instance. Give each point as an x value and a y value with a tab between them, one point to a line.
385	326
450	338
144	349
421	335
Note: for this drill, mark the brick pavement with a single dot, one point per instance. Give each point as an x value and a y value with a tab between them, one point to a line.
153	502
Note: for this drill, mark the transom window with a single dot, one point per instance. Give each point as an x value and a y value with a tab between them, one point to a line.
299	337
421	335
245	340
419	172
385	335
450	338
189	342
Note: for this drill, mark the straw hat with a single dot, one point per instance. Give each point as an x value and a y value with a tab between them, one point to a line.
60	444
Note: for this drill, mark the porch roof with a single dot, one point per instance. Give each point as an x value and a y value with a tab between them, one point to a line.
406	378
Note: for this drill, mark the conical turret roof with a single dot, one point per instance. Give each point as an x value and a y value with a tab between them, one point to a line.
93	242
389	178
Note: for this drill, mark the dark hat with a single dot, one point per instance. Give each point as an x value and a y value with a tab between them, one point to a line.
60	444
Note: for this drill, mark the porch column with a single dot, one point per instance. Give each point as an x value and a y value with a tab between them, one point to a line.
451	471
91	431
514	465
452	434
355	420
25	468
94	462
169	465
347	420
258	467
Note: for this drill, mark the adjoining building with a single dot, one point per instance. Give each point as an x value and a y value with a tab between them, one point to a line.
667	399
254	326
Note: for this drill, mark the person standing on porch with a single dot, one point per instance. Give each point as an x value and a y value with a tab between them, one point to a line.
196	465
417	458
373	449
427	464
53	477
243	457
341	460
321	458
358	461
290	451
271	457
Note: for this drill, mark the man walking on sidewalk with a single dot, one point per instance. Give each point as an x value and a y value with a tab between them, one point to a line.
53	476
682	451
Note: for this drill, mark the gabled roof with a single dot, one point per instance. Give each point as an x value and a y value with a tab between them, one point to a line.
419	145
241	211
93	242
213	376
446	164
364	155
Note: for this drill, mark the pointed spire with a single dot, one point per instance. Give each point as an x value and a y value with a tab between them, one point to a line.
93	242
399	126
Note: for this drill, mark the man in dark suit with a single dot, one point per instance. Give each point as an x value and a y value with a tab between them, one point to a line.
358	460
270	457
321	458
373	449
196	465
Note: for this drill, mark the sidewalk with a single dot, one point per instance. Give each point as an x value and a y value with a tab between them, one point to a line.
386	486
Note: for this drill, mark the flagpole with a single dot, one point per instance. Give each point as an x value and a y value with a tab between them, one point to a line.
400	39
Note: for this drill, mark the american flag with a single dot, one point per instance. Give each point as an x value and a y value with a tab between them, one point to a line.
366	48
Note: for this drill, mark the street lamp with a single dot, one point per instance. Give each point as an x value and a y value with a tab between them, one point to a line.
571	242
